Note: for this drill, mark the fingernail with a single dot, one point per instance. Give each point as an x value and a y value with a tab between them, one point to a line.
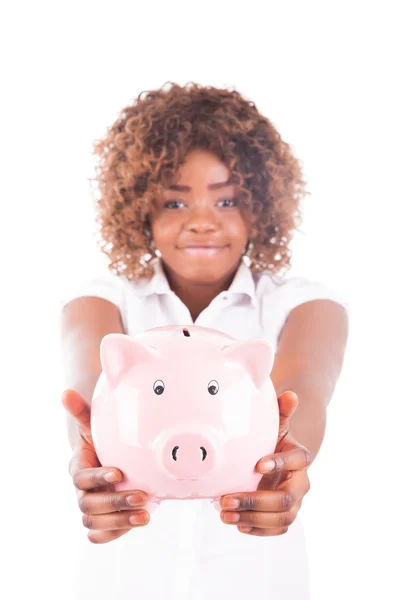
231	517
230	503
245	529
137	519
111	476
135	500
268	465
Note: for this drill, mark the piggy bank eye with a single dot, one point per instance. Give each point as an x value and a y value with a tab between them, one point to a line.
159	387
213	387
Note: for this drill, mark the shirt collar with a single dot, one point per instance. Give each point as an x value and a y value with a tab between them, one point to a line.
242	284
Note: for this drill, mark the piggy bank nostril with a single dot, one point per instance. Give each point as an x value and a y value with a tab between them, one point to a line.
174	451
176	448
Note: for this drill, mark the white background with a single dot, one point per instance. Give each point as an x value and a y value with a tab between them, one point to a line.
326	75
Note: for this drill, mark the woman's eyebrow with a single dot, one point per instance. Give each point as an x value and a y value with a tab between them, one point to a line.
187	188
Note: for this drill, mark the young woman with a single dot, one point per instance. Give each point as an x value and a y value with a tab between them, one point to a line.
199	199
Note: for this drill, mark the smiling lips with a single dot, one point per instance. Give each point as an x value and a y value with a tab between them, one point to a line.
205	250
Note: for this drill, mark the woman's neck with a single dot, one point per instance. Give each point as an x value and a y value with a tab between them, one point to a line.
196	295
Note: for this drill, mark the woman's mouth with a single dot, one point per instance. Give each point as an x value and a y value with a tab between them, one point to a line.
201	251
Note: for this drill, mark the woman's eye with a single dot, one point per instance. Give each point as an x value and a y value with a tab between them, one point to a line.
174	203
230	201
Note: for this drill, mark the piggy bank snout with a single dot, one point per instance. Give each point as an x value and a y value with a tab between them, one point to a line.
188	455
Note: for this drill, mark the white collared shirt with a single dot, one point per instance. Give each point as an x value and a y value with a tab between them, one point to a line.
187	552
253	306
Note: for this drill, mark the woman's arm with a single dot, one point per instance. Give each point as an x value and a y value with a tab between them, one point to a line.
84	323
308	361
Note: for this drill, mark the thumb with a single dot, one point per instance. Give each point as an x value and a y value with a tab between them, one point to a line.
288	402
79	409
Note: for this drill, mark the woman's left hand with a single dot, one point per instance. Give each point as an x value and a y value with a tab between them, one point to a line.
274	506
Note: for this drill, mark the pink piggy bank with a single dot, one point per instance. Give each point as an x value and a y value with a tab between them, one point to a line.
184	412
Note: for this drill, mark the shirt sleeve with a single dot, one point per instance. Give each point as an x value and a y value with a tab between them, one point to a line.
299	290
280	299
109	287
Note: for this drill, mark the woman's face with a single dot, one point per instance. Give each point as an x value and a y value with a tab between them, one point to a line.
197	225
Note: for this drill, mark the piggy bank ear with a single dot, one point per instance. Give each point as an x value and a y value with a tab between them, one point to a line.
119	352
256	356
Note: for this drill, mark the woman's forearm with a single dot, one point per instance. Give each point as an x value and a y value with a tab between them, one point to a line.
84	323
307	424
308	361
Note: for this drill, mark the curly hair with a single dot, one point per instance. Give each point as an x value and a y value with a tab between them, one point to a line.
144	148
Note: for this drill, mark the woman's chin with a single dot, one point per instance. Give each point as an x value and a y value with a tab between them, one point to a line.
202	267
202	272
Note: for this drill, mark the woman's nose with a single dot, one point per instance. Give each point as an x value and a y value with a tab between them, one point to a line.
202	220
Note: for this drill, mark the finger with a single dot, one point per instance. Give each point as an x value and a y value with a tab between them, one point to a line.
262	532
102	537
83	457
263	501
279	500
99	503
90	478
292	460
116	520
288	402
78	408
264	520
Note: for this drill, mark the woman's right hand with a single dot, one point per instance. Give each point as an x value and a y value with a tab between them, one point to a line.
106	513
